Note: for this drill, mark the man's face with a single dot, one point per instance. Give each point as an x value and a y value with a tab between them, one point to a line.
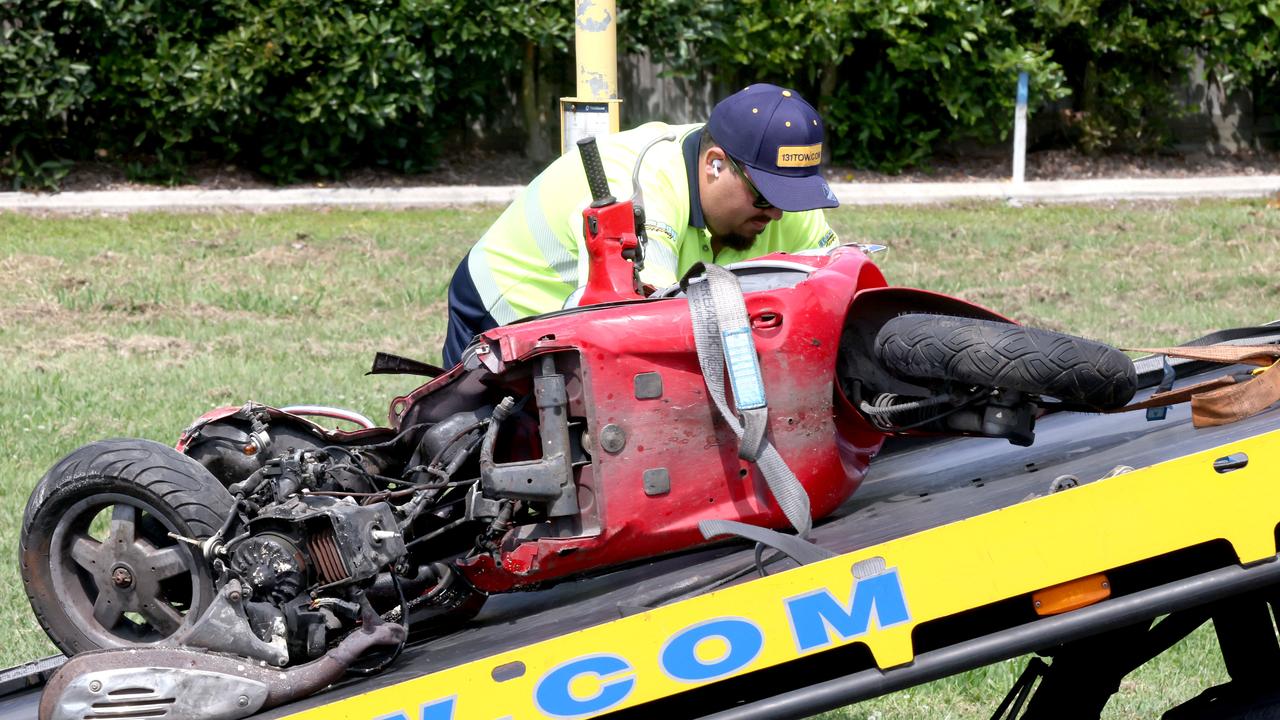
730	204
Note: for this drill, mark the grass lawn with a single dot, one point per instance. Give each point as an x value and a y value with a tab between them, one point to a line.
133	326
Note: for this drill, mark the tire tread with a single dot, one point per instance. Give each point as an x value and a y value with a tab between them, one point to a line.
994	354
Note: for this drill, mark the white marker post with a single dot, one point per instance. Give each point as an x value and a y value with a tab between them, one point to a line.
1020	131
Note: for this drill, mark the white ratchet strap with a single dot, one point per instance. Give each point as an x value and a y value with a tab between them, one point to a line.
722	334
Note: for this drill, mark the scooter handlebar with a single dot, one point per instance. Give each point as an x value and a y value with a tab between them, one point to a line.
596	180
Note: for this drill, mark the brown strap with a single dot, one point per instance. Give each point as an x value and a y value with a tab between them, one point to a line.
1181	395
1261	355
1222	400
1237	402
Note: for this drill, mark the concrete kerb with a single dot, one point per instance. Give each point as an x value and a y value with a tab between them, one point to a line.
1046	191
1060	191
109	201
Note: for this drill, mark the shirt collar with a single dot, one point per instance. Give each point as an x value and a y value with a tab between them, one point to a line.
691	144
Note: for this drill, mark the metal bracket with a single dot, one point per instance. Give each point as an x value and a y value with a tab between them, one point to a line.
480	507
549	479
1167	376
225	628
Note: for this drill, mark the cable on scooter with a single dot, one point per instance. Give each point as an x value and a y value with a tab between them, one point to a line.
386	661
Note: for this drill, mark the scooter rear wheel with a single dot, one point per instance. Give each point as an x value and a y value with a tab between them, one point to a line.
1078	372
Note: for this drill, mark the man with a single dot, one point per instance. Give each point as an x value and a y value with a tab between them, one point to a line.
745	184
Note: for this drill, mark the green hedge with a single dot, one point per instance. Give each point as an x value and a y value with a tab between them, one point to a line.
290	88
895	78
305	88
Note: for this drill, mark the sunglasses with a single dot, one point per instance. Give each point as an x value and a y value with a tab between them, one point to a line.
760	202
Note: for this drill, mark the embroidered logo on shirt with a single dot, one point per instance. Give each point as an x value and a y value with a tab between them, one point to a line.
829	239
653	227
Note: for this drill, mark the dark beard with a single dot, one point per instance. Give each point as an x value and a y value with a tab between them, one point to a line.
736	241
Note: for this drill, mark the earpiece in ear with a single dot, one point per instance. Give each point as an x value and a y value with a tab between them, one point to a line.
715	168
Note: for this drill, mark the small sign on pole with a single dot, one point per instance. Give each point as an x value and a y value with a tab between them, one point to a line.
584	119
1020	130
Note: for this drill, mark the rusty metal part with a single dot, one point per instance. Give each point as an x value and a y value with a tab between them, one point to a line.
324	551
194	684
550	478
340	534
225	628
271	567
132	575
121	577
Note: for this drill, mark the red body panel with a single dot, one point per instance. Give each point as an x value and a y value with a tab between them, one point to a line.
797	335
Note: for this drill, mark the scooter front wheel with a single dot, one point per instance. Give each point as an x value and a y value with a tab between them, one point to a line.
98	562
1078	372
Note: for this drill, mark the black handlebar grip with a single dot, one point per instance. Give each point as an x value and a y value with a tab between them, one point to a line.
596	180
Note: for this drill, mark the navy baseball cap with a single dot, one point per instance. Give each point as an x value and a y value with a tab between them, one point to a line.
777	137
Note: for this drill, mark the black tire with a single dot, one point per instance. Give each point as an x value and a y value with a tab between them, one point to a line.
1076	371
135	585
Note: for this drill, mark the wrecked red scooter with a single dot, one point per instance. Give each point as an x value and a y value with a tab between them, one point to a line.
746	399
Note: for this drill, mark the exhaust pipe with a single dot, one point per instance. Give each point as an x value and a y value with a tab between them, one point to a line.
195	684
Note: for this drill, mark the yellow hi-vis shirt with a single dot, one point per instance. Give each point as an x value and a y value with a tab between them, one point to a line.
534	256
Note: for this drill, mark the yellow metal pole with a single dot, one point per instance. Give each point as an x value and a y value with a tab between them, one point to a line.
596	49
594	109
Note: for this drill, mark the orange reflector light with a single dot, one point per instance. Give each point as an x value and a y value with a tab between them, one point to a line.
250	449
1071	595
